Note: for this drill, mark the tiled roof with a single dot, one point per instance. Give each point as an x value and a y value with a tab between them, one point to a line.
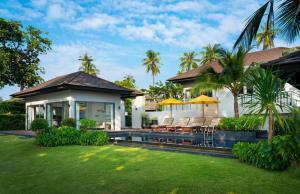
74	80
253	57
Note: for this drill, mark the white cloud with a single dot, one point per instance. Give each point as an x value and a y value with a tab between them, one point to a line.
95	21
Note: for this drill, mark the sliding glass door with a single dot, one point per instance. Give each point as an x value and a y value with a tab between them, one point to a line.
57	112
102	113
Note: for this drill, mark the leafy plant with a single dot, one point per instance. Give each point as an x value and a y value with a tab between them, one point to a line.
69	122
96	138
188	61
87	66
152	63
86	124
39	124
244	123
145	120
261	154
12	121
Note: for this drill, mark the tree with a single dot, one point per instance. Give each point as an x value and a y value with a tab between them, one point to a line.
210	53
188	61
87	66
20	49
267	88
232	77
152	63
165	90
287	20
266	37
127	82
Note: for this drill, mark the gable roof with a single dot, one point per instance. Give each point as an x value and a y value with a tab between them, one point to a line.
77	80
253	57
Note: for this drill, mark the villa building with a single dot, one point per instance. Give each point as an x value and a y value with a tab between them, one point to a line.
77	95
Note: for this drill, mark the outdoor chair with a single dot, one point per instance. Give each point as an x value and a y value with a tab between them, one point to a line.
166	122
183	121
194	125
207	122
212	126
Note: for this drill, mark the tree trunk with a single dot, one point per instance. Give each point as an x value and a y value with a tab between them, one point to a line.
152	80
270	133
236	106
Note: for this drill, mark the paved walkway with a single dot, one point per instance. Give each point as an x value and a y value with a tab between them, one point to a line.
19	132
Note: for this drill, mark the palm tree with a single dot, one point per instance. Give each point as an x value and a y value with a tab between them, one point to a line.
266	37
267	89
188	61
210	53
232	77
152	63
287	21
87	66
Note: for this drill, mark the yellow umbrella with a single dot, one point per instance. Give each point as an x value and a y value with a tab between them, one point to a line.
170	101
203	100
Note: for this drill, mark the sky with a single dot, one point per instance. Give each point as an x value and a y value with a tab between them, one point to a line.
117	33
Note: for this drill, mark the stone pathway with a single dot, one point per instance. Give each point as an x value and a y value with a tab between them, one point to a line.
19	132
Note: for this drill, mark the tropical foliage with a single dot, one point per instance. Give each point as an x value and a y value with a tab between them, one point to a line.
152	63
20	49
267	89
165	90
87	66
69	122
39	124
244	123
188	61
210	53
12	121
232	77
86	124
285	16
266	38
127	82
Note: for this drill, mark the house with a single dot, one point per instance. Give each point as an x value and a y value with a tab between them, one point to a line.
78	95
225	107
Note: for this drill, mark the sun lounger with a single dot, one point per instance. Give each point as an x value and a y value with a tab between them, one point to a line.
194	125
181	122
166	122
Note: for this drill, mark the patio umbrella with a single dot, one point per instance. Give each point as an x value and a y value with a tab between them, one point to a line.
170	101
203	100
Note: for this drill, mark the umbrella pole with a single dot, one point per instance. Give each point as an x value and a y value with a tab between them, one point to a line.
203	111
171	110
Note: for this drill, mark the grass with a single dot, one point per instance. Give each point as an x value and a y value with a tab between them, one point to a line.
27	168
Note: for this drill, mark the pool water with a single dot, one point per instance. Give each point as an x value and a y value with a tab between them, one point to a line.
198	141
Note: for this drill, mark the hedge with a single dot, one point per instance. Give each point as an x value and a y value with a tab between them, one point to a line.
12	121
244	123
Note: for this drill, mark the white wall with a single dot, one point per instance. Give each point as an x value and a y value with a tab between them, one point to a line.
138	107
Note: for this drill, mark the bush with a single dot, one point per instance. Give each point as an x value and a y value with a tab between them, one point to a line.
87	124
12	121
70	136
39	124
261	155
96	138
13	106
69	122
244	123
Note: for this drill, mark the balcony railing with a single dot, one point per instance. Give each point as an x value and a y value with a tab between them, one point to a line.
285	98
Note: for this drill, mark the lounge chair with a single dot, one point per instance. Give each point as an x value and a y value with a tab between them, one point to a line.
211	127
206	124
194	125
183	121
166	122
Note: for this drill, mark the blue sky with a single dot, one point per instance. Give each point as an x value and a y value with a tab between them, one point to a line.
117	33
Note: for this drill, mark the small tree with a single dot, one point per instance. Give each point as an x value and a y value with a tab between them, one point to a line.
87	66
267	89
188	61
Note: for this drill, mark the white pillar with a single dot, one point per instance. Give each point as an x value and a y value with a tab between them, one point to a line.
72	108
138	107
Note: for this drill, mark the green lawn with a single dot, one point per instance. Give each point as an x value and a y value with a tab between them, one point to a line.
27	168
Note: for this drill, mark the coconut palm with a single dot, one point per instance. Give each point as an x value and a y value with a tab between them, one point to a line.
232	77
152	63
188	61
287	20
87	66
267	88
210	53
266	38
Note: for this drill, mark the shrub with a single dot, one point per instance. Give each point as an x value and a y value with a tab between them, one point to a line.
39	124
288	147
244	123
261	155
87	124
13	106
12	121
96	138
69	122
70	136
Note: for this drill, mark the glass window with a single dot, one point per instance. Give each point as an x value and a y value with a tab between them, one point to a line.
57	112
102	113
